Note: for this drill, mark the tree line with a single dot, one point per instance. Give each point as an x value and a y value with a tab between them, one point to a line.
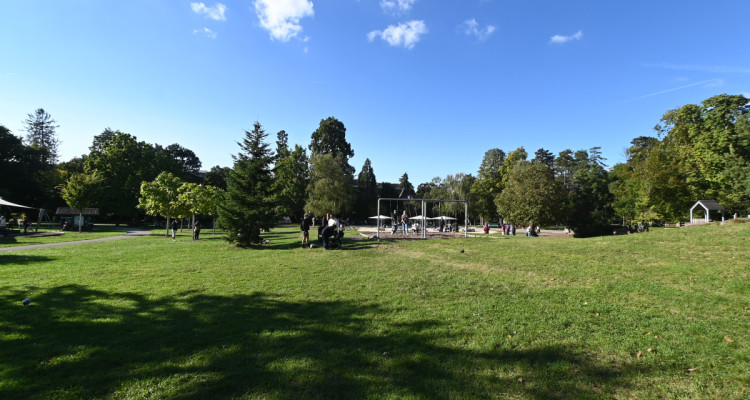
698	152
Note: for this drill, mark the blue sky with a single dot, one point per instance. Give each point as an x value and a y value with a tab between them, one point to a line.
423	87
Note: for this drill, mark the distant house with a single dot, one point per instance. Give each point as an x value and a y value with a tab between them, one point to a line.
705	207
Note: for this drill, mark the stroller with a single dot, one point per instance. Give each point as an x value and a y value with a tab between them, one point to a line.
331	237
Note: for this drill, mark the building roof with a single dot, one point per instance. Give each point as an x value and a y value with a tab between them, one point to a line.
74	211
710	205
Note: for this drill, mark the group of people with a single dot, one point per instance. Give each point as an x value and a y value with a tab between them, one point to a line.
330	231
196	229
7	225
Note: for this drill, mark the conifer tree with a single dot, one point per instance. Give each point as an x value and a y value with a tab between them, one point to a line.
246	210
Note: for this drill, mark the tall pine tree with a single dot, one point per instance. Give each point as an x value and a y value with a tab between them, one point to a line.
246	210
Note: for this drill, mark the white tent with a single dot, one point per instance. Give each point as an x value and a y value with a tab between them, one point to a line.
9	204
380	217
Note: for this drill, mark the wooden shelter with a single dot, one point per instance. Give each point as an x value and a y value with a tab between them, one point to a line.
707	206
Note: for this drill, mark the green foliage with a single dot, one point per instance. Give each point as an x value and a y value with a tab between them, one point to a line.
330	138
590	209
704	154
330	188
531	195
367	192
290	182
188	163
545	157
23	170
488	184
160	197
405	187
82	190
217	176
40	132
246	209
125	163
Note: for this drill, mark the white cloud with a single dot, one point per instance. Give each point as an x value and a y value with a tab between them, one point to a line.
216	12
402	35
205	31
396	6
560	39
471	27
281	17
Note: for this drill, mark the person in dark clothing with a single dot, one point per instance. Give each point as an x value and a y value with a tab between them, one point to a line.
394	222
175	226
326	234
305	227
197	230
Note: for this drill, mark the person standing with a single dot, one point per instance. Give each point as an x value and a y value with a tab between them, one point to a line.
175	226
305	227
405	223
394	222
196	230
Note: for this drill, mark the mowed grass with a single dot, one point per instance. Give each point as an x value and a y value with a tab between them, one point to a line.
664	314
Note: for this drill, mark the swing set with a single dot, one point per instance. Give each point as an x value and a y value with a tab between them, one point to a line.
422	218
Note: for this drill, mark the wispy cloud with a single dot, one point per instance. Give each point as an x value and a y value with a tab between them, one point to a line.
471	27
715	69
396	6
707	83
205	31
281	17
404	35
560	39
216	12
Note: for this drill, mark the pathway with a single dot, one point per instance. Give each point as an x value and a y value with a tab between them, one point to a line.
129	233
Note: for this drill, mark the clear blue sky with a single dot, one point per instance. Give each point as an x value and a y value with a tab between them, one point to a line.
423	86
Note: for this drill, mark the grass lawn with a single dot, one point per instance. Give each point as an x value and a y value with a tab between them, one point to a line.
664	314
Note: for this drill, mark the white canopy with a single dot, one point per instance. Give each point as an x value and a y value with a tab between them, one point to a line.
445	218
380	217
9	204
417	217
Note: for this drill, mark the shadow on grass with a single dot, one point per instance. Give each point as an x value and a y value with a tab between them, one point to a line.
22	260
74	342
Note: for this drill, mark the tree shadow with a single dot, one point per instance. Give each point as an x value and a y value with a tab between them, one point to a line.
75	342
6	258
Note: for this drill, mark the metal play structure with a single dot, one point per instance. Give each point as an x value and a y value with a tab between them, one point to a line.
423	216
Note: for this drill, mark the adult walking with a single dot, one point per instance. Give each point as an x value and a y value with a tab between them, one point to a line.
175	226
405	223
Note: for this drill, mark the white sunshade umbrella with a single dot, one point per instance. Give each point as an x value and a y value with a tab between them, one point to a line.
445	218
380	217
417	217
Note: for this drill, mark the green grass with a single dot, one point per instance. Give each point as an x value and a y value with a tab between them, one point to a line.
100	231
527	318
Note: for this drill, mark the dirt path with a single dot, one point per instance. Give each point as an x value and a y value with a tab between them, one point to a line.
128	233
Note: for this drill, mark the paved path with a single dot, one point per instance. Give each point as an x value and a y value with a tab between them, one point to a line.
129	233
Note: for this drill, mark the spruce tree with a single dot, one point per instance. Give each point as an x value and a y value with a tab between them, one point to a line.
246	210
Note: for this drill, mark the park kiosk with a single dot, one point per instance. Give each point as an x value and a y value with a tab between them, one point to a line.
706	206
81	219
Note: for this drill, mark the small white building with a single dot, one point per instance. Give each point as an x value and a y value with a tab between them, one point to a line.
706	206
